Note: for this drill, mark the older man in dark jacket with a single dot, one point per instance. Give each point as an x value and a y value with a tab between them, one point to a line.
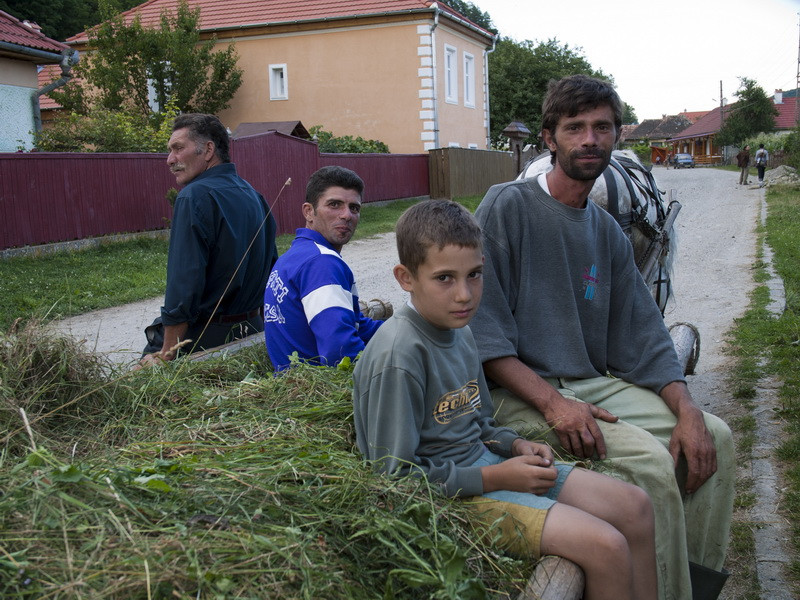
743	160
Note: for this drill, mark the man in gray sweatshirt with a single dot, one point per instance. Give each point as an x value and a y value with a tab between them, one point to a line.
577	350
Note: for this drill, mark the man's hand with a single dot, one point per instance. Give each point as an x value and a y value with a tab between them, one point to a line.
173	340
690	436
156	358
575	424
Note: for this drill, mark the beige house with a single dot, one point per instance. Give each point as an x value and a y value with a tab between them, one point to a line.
410	73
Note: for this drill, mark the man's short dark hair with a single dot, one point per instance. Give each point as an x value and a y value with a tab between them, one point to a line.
578	93
332	176
205	128
434	223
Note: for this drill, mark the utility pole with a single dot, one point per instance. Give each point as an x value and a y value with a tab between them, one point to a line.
797	84
722	121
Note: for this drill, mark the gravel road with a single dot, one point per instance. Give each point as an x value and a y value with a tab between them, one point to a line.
712	279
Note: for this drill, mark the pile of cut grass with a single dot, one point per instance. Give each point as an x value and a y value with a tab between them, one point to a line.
212	479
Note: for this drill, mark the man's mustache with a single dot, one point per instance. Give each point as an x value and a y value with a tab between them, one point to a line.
591	153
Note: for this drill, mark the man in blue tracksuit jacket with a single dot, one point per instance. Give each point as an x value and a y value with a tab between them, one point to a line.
311	302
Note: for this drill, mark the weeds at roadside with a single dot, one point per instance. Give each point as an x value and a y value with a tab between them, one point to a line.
766	346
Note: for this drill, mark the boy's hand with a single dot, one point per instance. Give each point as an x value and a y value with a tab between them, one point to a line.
522	447
530	473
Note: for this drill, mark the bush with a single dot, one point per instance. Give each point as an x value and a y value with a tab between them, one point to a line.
102	130
791	147
346	144
642	151
773	142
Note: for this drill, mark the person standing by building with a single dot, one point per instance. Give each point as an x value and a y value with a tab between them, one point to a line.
743	160
761	163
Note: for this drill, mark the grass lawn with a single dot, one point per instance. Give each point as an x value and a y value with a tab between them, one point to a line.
76	282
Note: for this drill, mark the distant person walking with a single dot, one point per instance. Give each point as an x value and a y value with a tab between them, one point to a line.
743	160
761	163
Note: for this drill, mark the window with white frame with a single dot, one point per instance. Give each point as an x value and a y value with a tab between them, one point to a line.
450	75
469	80
152	93
278	83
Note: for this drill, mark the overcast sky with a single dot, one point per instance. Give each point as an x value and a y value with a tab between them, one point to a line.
668	56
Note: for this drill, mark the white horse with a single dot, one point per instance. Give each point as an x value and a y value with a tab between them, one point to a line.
628	191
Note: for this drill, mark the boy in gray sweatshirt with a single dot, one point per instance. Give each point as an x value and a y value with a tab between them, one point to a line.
421	407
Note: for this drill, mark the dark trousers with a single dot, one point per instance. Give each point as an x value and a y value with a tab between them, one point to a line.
216	334
743	175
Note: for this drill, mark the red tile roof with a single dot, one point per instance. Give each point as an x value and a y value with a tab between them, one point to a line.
693	115
47	74
708	124
711	122
13	31
787	114
625	131
229	14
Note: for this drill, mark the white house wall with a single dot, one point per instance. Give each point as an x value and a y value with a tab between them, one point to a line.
18	82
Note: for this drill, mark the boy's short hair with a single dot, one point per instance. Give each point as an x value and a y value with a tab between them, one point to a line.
434	223
332	176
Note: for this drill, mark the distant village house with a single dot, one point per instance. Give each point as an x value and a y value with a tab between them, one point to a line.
410	73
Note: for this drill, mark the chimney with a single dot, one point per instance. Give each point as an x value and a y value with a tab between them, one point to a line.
778	96
31	25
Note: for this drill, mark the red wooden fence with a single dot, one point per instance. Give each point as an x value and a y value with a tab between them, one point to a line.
55	197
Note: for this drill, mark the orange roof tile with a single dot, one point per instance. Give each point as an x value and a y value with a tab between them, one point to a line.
228	14
693	116
47	74
711	122
13	31
708	124
787	114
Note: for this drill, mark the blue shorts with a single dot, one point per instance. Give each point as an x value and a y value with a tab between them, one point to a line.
544	501
515	520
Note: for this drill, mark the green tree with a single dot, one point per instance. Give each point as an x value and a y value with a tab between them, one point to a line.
60	19
473	13
629	115
753	113
518	77
129	66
